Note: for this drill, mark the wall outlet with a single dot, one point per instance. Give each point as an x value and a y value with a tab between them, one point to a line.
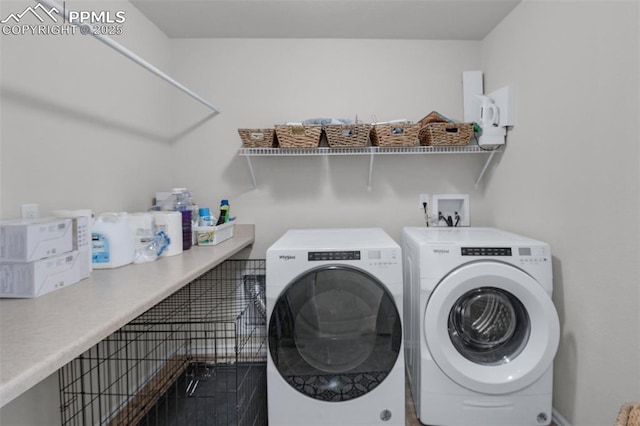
30	211
424	198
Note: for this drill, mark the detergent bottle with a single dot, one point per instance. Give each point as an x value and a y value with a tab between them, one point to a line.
224	212
112	241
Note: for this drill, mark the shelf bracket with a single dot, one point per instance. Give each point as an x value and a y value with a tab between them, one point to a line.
253	176
372	155
484	169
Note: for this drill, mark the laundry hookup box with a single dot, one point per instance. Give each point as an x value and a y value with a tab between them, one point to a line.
33	279
26	240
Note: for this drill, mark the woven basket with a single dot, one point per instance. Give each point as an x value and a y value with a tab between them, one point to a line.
395	134
298	136
446	134
257	138
629	415
347	134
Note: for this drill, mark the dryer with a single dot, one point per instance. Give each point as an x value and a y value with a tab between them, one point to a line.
334	304
481	330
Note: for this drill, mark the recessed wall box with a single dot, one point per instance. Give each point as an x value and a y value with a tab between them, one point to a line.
453	206
26	240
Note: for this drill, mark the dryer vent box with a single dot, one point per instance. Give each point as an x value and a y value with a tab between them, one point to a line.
450	206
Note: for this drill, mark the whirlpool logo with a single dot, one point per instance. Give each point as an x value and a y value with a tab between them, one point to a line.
287	257
441	251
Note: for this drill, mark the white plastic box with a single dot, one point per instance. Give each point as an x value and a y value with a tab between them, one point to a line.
81	226
26	240
33	279
212	235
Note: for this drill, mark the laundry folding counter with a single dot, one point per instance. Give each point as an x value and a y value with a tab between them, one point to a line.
39	336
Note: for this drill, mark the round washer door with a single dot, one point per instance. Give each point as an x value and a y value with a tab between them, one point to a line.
491	328
335	333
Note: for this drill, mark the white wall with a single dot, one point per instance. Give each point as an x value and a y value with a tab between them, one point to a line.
259	83
570	176
80	127
568	162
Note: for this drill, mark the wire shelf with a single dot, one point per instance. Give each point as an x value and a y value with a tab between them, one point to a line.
196	358
369	150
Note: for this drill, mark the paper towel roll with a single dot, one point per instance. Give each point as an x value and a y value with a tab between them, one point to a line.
141	225
171	224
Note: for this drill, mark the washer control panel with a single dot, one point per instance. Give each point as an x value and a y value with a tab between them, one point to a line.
375	258
486	251
316	256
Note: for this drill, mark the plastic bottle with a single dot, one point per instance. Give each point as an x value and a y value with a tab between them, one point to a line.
179	199
182	202
224	212
205	218
112	242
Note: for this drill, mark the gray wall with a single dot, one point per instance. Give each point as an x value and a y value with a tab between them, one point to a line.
72	110
80	127
570	176
259	83
83	127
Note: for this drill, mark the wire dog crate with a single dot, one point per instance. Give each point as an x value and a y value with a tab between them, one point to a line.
196	358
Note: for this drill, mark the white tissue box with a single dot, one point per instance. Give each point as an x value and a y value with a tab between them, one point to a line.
32	239
212	235
33	279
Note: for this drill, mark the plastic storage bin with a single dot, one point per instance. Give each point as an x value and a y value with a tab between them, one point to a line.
212	235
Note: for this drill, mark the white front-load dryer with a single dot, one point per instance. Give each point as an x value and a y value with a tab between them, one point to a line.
481	330
334	304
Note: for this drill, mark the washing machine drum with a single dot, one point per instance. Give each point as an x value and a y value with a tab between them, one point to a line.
491	328
335	333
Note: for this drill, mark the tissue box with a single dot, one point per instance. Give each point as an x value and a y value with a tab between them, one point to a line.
212	235
32	239
33	279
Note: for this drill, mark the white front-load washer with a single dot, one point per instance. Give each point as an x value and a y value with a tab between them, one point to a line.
334	304
481	330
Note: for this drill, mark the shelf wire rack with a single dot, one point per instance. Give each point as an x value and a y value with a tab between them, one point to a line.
196	358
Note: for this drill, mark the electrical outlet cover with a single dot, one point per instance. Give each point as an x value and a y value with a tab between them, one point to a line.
424	198
30	211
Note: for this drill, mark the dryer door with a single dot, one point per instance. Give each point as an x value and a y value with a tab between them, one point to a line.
335	333
491	328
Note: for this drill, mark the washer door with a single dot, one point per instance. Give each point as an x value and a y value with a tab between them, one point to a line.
491	328
335	333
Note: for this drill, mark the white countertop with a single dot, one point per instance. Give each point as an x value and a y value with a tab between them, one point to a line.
39	336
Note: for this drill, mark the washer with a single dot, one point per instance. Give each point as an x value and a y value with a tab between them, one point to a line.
334	303
481	330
